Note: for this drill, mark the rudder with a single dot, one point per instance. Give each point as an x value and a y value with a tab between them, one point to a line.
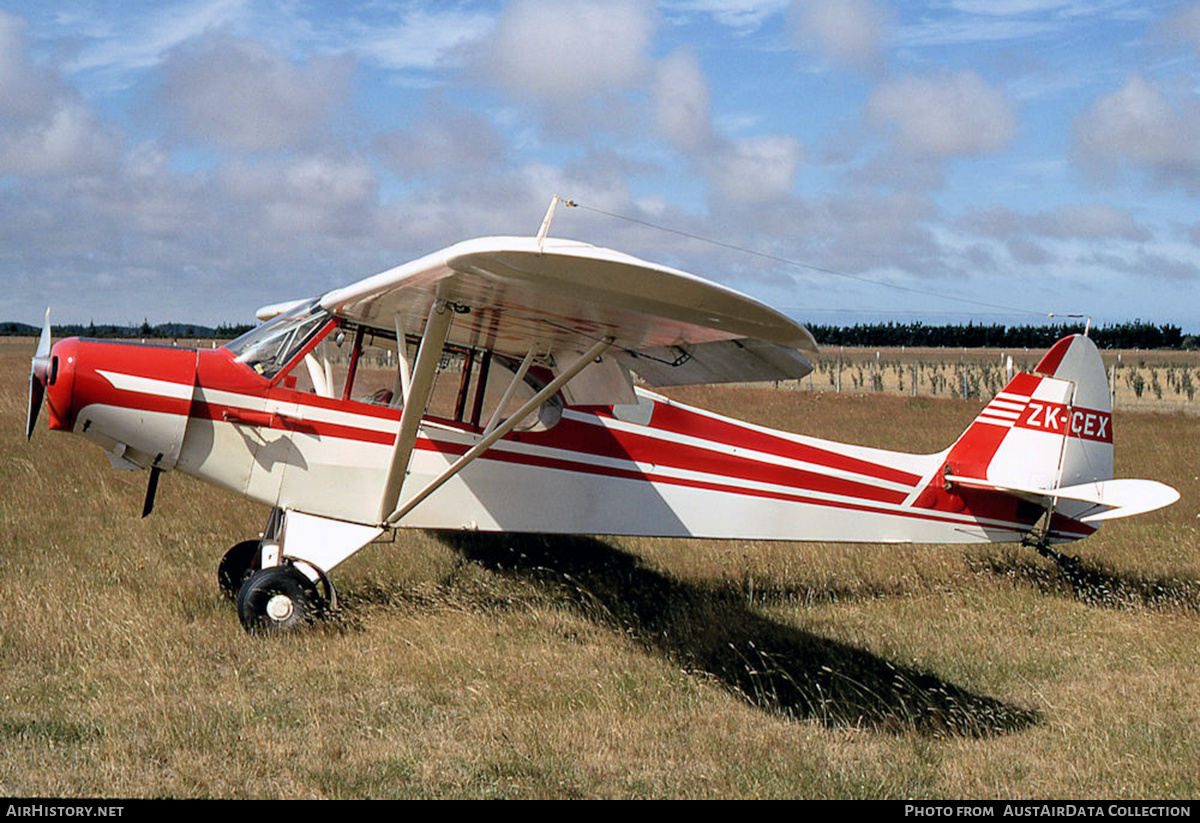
1045	430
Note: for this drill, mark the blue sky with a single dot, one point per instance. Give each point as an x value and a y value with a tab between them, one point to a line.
938	161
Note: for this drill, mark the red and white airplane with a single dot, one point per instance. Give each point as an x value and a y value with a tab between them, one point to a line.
491	386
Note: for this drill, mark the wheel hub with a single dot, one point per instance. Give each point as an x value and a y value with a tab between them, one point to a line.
280	608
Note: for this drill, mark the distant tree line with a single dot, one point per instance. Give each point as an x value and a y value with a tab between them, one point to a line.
162	331
1132	335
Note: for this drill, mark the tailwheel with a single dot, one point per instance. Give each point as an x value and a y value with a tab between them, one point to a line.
279	599
1069	563
236	566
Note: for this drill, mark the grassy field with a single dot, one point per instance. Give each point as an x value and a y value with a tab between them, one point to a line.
520	666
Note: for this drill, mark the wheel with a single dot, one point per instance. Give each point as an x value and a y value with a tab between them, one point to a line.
278	599
237	565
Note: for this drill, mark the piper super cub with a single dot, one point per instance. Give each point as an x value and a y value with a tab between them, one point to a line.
491	386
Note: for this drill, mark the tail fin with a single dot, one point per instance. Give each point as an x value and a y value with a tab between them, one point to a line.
1047	429
1047	438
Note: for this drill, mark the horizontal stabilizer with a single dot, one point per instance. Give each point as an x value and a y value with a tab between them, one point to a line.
1113	498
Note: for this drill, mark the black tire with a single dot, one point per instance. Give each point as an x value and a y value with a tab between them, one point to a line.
278	599
236	567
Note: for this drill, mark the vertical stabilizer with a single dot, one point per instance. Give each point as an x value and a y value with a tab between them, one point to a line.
1045	430
1087	419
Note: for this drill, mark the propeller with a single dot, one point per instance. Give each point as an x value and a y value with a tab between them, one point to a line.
39	375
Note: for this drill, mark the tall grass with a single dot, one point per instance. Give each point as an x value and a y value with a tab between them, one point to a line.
525	666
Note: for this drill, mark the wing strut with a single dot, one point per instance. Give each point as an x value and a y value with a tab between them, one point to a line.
433	341
548	391
402	358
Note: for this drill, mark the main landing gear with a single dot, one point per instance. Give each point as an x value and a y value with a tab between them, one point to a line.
280	581
278	598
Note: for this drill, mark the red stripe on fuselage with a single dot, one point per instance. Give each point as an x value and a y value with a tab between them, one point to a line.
670	417
719	458
659	454
1002	505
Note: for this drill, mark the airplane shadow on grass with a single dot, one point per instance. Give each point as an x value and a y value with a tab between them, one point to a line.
775	667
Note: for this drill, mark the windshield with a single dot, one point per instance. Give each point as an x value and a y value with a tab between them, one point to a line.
274	344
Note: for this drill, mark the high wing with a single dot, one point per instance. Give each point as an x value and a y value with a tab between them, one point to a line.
514	294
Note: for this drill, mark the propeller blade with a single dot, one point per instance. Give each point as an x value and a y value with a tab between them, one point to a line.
43	348
36	392
39	373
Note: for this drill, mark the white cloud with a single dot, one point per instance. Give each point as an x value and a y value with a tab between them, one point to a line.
45	128
241	179
1004	8
1098	221
25	89
975	31
1192	233
1183	26
1141	126
445	142
754	170
845	32
946	116
980	22
66	140
562	51
307	195
1093	222
680	98
238	93
1143	265
748	170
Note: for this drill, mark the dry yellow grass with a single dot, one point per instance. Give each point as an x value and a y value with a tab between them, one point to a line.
518	666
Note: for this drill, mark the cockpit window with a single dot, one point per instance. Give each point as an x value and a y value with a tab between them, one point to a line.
274	344
363	364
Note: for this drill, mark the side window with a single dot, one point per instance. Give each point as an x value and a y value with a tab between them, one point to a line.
365	360
323	370
377	370
499	378
452	387
363	365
